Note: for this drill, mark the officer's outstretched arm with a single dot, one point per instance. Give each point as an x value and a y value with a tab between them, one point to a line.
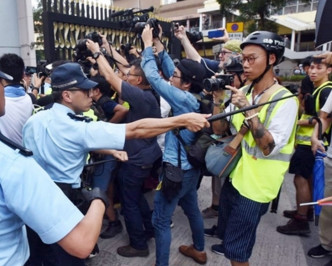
151	127
80	241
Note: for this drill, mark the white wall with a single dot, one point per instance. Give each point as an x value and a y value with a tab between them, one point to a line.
16	27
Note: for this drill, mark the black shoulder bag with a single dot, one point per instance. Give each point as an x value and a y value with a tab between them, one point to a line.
172	178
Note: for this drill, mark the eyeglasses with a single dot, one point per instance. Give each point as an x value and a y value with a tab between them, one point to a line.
225	52
130	74
250	59
175	76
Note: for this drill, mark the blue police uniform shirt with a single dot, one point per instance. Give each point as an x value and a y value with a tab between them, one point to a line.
29	196
61	144
180	101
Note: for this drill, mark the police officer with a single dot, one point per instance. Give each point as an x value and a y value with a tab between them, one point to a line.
28	196
61	139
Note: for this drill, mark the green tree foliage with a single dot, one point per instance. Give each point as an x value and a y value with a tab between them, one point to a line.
38	29
257	10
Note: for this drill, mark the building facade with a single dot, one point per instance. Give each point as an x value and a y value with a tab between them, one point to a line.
16	26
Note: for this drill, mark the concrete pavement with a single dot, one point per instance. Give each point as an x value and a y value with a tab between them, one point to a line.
271	248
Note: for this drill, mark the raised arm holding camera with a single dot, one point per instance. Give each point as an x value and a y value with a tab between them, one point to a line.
185	78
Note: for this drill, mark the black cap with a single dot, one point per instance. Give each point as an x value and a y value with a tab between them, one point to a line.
191	69
70	75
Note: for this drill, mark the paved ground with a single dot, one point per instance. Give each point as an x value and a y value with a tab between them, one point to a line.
271	248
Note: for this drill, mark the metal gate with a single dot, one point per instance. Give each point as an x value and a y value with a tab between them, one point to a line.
65	22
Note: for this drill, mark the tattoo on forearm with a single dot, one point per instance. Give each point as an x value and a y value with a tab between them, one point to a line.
259	132
269	147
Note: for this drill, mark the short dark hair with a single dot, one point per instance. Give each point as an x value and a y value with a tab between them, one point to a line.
103	86
13	65
57	96
137	64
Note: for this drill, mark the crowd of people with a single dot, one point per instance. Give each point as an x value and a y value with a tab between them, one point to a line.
114	116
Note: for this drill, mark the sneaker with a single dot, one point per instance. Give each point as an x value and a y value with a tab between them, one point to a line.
129	251
198	256
291	213
209	213
112	229
171	224
318	252
295	227
218	249
211	232
94	252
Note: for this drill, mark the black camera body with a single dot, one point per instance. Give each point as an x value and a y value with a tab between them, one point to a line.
81	51
42	70
234	64
130	23
218	83
154	23
193	36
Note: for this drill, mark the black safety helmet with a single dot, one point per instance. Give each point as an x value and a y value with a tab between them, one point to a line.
271	42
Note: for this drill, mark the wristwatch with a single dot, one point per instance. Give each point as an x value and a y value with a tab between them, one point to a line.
96	55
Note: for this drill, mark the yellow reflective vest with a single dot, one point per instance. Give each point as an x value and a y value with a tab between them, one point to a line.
256	176
303	134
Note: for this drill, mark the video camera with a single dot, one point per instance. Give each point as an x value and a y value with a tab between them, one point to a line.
132	22
154	23
218	83
81	52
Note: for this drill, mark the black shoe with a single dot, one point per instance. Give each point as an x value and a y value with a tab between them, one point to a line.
291	213
112	230
295	227
211	232
94	252
129	251
318	252
218	249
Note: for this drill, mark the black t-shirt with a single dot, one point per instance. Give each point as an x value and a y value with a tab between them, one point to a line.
143	104
307	86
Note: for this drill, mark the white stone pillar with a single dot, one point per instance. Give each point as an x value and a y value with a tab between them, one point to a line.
292	40
26	32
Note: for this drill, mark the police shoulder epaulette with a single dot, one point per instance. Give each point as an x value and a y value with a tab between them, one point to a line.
80	117
15	146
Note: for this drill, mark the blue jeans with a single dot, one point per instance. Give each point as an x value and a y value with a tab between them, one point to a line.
103	173
135	208
163	211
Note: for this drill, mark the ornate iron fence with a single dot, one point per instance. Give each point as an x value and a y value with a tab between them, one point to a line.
67	21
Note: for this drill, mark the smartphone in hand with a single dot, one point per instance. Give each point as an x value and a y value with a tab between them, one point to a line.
215	33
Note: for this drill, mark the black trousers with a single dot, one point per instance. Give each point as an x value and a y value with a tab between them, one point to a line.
42	254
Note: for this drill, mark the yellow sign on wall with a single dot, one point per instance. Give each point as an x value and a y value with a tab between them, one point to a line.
233	27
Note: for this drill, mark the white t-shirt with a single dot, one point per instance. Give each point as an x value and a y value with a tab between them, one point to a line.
17	112
327	108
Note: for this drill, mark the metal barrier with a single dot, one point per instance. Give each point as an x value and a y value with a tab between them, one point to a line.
66	21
